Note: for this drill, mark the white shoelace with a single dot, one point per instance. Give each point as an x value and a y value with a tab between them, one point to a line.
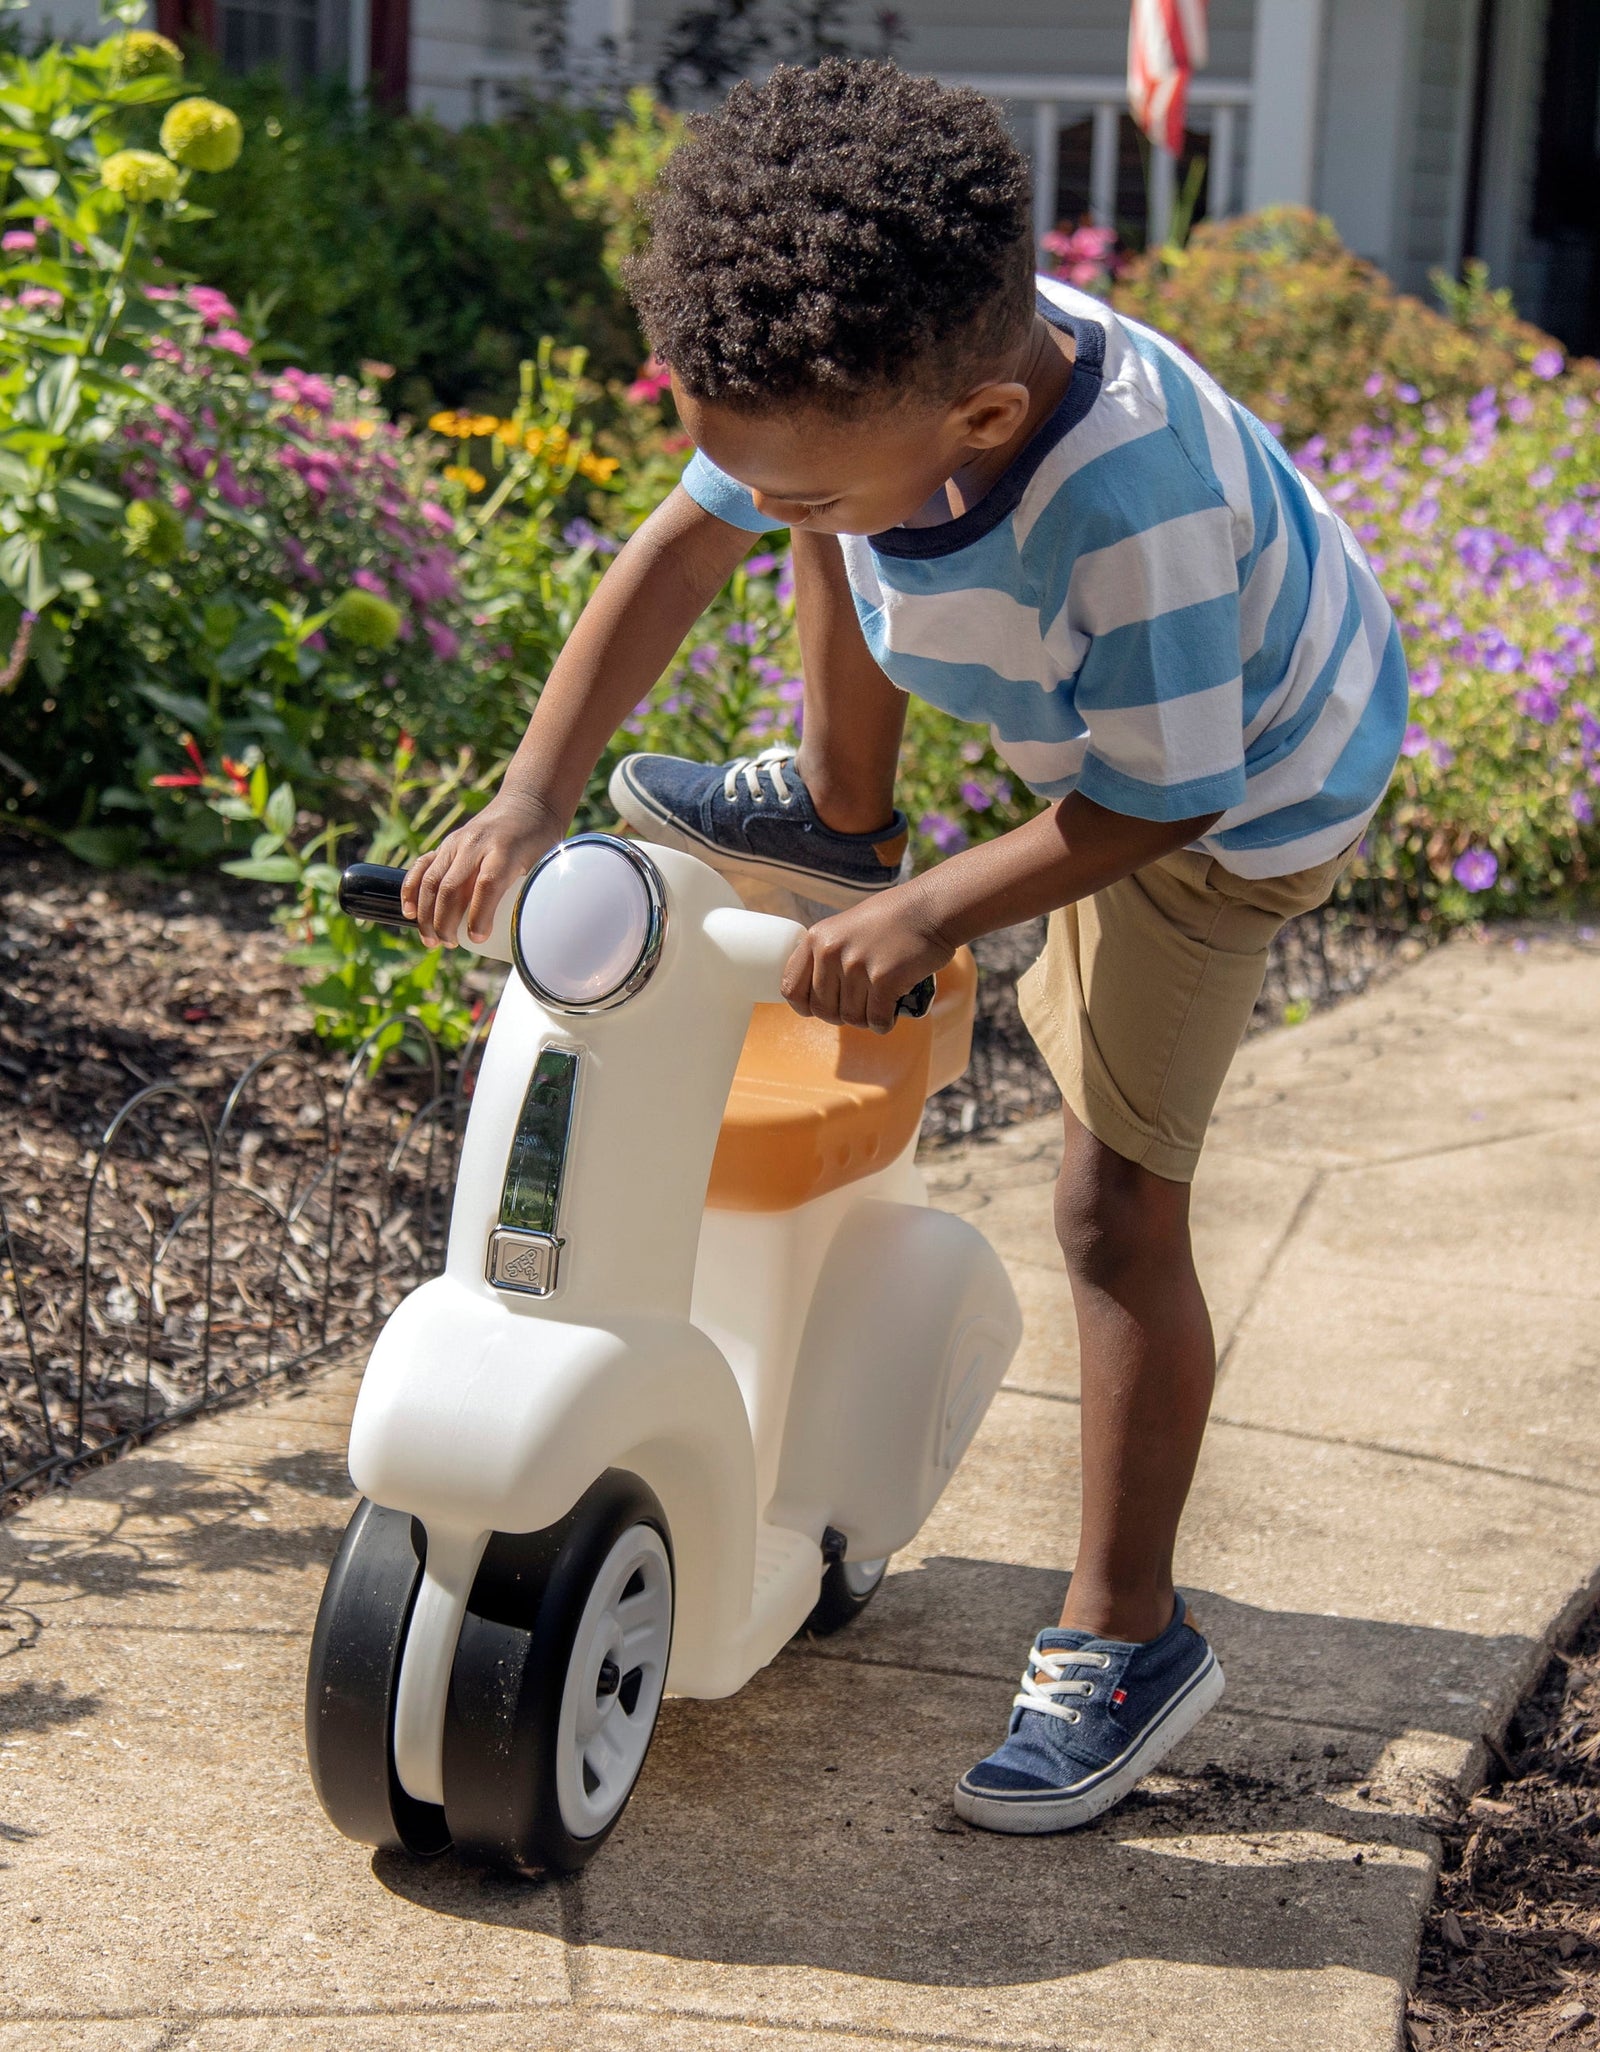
750	768
1046	1681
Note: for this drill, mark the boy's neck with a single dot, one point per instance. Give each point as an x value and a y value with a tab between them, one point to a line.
1046	369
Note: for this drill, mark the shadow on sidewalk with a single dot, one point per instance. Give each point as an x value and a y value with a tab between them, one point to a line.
806	1822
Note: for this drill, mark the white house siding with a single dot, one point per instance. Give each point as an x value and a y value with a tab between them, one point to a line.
67	21
1517	76
1081	38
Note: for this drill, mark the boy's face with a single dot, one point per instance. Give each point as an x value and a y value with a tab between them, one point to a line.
811	469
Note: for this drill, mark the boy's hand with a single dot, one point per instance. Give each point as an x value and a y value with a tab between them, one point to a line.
852	969
466	876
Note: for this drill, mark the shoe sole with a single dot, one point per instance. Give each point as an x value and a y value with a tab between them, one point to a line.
652	822
1066	1809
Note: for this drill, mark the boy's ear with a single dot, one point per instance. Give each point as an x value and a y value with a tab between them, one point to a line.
991	414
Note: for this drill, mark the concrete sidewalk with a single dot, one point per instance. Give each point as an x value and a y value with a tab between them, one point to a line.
1400	1497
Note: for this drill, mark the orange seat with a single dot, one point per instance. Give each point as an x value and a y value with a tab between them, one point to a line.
814	1107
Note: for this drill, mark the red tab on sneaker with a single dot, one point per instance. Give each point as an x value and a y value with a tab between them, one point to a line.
1119	1697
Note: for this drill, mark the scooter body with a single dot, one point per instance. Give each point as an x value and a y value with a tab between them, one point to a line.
776	1338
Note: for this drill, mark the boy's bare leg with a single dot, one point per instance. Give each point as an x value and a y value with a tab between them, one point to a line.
854	716
1148	1365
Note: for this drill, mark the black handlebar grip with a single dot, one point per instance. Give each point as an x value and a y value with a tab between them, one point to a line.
371	890
918	1000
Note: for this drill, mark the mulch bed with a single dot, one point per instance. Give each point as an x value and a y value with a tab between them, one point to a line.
1511	1952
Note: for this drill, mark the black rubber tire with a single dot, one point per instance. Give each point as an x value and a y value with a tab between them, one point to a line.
351	1682
838	1604
509	1674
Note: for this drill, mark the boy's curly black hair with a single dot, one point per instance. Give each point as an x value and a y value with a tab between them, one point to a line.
834	233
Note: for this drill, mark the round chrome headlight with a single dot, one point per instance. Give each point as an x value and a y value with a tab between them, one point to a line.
588	925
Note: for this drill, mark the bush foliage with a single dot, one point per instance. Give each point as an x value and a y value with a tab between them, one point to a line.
1294	326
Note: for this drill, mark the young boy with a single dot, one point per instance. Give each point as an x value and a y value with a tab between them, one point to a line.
1046	519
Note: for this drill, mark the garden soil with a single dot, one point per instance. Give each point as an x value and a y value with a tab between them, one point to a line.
1511	1950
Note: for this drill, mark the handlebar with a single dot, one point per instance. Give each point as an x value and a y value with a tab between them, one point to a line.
371	891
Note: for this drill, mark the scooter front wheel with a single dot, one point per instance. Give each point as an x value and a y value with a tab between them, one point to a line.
557	1681
351	1681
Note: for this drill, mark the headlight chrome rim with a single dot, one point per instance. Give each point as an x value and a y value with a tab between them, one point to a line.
655	929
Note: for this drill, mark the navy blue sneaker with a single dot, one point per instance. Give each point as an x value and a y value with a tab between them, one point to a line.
755	817
1093	1717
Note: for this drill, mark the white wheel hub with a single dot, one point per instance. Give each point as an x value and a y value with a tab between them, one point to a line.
614	1681
861	1577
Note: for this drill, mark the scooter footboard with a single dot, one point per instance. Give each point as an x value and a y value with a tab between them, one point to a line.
912	1326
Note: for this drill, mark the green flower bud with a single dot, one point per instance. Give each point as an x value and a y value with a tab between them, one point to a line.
202	135
140	176
141	53
365	620
152	530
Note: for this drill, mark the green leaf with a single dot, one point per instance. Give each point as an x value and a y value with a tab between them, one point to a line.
54	396
192	713
258	789
228	808
105	847
252	641
280	812
275	869
37	181
16	476
92	497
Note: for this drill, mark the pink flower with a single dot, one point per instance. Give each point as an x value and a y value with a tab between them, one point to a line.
212	306
231	340
299	388
16	240
652	384
369	580
160	292
32	296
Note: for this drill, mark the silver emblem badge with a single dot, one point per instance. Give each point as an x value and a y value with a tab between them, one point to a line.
524	1262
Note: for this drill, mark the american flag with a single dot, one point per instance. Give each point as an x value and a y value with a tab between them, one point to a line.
1166	46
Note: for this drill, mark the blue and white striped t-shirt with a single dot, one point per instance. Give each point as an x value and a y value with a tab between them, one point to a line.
1151	606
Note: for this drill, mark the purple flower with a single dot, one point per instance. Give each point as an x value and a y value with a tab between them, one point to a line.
783	590
1520	408
703	661
758	566
1582	808
1540	703
582	534
369	580
944	833
1416	740
743	634
1443	754
1408	395
446	643
1549	363
975	796
1476	870
1374	384
1426	678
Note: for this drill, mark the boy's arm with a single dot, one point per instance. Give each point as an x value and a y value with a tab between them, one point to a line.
662	581
852	968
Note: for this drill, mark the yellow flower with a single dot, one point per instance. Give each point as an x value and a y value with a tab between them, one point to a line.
141	53
139	176
508	432
464	474
482	423
202	134
533	441
600	468
447	423
363	430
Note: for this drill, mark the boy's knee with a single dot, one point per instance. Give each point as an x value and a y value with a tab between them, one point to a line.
1112	1215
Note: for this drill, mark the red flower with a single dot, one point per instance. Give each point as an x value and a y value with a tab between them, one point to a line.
236	774
183	782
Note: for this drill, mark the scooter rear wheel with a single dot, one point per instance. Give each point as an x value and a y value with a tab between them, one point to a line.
848	1586
557	1681
351	1681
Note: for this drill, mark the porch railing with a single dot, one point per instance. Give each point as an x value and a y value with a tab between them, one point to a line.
1218	104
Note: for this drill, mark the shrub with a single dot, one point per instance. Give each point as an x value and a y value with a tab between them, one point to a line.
1297	329
376	237
1484	526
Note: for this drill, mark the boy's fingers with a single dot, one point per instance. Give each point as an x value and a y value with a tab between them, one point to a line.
796	984
412	884
486	894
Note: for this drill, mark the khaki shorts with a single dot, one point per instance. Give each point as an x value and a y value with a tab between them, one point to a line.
1143	993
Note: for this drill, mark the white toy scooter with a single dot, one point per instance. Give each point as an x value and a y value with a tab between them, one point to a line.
701	1359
